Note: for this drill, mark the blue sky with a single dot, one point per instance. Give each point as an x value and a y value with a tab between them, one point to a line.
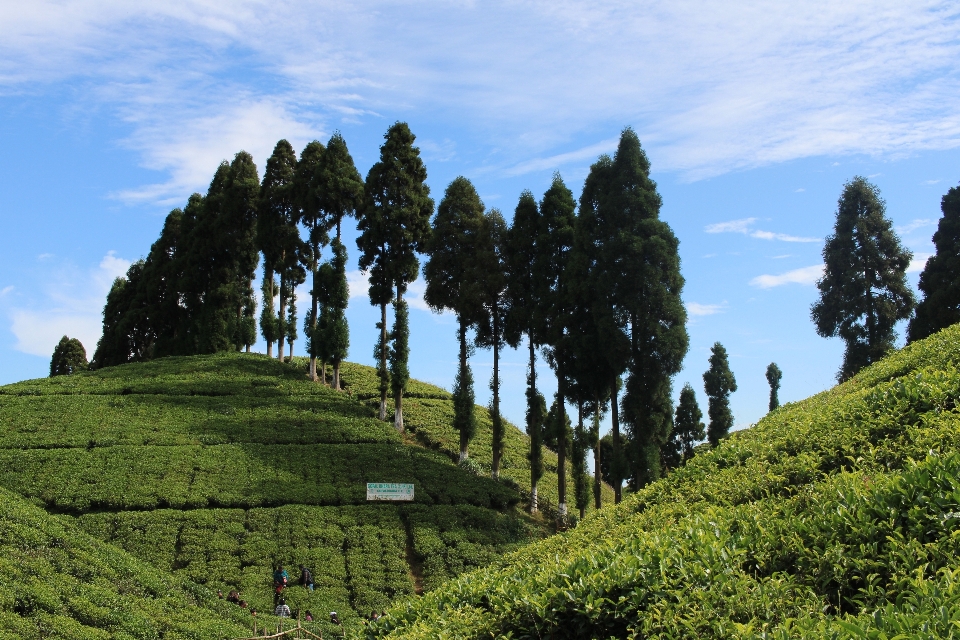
753	115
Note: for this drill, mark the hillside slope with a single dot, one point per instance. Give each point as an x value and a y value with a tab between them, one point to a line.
838	516
58	582
216	468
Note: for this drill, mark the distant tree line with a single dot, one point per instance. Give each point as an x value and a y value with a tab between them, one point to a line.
594	286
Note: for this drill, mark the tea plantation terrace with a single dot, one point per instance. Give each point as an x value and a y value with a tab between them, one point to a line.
214	469
835	517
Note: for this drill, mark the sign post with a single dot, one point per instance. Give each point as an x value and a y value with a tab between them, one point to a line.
389	491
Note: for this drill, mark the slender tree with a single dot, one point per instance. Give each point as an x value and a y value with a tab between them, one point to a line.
69	356
524	293
863	291
336	330
317	223
688	429
399	355
394	226
773	379
578	464
454	274
940	278
340	194
239	252
553	315
719	383
491	262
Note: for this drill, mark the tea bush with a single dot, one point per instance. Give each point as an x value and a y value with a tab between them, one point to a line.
835	517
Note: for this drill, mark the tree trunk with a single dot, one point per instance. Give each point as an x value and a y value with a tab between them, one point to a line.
597	476
248	348
464	442
561	445
291	351
336	376
615	463
269	278
323	371
581	461
497	420
315	303
534	505
383	361
280	317
398	400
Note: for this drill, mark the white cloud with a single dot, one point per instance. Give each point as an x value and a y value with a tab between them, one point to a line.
805	275
743	226
919	223
931	181
713	87
919	262
6	290
71	304
697	309
800	190
359	285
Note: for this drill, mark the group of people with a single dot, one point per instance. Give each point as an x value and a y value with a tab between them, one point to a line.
280	582
234	597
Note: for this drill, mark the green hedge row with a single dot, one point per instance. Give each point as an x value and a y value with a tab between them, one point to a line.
815	523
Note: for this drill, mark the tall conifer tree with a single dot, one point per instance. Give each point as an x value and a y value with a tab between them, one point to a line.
317	224
394	226
688	429
454	275
940	278
773	379
864	290
719	383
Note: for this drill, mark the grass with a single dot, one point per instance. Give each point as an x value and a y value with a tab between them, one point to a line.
835	517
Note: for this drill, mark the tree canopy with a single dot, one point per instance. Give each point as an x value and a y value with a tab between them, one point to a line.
940	278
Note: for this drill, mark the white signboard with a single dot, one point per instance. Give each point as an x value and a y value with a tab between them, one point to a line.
389	491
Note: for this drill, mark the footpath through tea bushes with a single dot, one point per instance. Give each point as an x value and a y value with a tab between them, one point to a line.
835	517
215	469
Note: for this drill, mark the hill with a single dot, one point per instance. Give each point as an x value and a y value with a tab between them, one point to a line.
834	517
216	468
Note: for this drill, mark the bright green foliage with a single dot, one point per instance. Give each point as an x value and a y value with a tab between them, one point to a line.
216	467
940	278
719	383
688	430
816	523
454	275
774	375
864	291
58	582
69	356
394	226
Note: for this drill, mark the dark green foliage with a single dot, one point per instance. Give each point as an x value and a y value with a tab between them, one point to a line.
773	379
339	185
454	275
317	222
688	430
940	278
578	466
399	354
491	259
817	523
864	291
719	383
123	339
69	356
394	226
536	416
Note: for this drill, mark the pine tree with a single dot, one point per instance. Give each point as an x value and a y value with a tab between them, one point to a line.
394	226
238	232
524	292
454	276
940	279
490	325
340	193
719	383
553	314
578	464
773	379
336	330
863	291
688	429
317	223
399	353
69	357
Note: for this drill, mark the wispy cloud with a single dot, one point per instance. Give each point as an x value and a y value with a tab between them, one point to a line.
919	223
697	309
359	285
744	226
804	275
919	262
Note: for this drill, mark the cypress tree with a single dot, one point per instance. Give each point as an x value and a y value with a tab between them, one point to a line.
578	464
399	355
863	291
339	189
238	227
773	379
524	292
553	314
317	223
490	327
69	357
688	429
719	383
454	276
335	329
940	278
394	226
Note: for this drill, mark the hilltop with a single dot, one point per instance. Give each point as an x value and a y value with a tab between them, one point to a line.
214	468
832	517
